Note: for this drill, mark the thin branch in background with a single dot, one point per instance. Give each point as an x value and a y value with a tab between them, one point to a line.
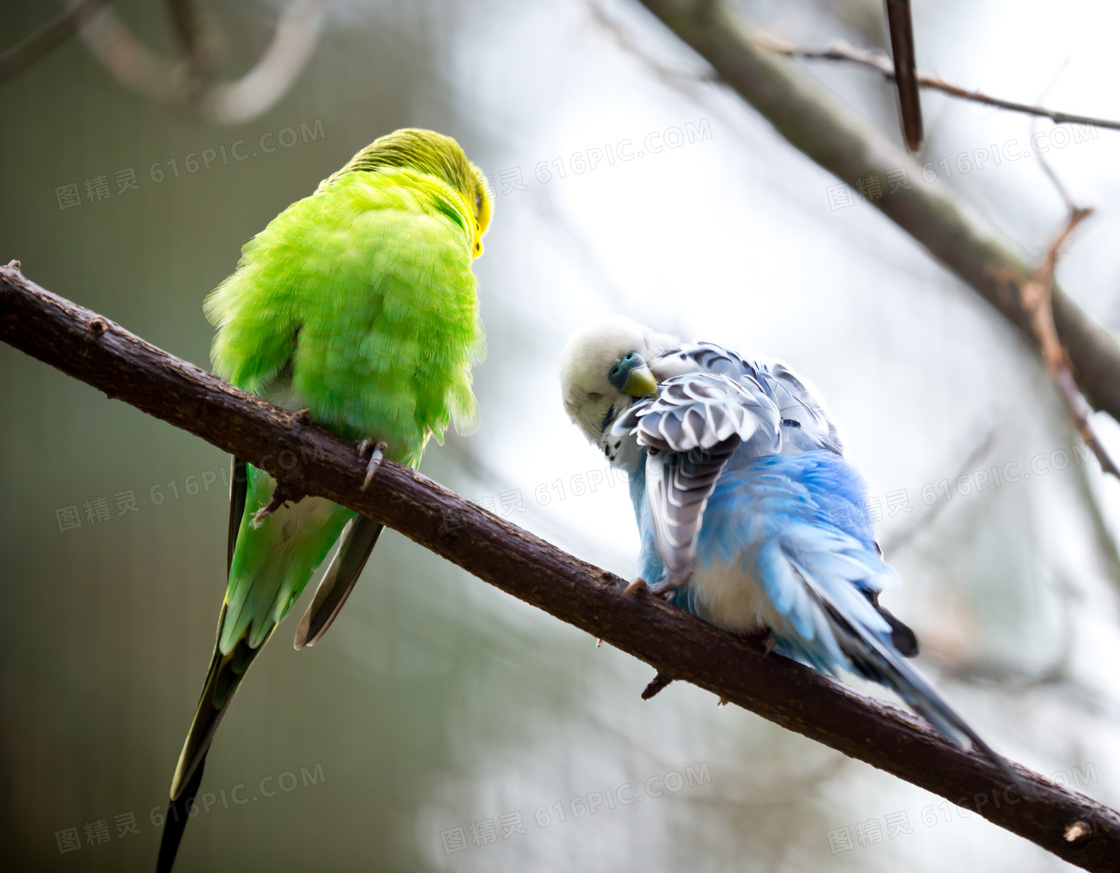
674	78
263	86
842	51
900	540
187	83
91	348
1036	294
198	42
1047	167
51	35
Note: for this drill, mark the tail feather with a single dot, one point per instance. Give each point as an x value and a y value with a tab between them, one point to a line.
877	660
176	822
876	647
222	681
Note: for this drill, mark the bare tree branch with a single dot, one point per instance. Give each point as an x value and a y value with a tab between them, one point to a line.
311	460
842	51
187	83
816	124
199	43
901	539
48	37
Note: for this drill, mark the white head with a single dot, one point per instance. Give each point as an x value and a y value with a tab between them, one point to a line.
586	363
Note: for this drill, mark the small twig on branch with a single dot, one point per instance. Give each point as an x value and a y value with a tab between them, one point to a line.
656	685
89	347
1036	293
48	37
843	51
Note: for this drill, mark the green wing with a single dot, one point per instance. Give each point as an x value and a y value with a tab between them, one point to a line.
367	288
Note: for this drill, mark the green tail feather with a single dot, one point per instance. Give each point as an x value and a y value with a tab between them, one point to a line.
222	680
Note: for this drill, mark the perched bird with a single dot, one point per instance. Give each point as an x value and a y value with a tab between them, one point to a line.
901	31
744	521
358	305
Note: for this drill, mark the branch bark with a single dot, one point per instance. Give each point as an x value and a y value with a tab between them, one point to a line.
309	459
814	122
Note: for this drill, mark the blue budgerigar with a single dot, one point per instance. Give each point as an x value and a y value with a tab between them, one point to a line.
750	517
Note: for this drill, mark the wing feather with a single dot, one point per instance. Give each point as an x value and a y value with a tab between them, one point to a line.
691	429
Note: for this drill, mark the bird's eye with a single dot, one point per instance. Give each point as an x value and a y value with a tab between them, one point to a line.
478	200
594	396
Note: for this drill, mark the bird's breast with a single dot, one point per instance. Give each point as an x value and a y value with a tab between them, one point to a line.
731	597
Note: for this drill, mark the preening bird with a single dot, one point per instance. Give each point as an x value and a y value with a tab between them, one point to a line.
749	515
357	304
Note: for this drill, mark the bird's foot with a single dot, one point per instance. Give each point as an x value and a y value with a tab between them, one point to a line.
765	638
664	590
375	459
281	494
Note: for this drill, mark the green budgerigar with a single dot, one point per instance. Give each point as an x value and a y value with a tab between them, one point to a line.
357	304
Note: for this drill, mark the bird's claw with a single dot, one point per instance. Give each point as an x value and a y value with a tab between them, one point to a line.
280	496
375	458
661	592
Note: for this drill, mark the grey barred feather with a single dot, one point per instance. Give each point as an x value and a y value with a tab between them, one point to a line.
679	487
698	411
806	424
692	428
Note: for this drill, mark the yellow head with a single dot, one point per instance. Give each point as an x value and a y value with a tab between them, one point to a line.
434	154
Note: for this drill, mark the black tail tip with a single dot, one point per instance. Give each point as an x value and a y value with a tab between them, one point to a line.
175	823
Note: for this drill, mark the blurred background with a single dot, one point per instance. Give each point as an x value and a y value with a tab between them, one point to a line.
442	725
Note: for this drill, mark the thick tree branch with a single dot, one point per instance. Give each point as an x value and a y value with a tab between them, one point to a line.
309	459
814	122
